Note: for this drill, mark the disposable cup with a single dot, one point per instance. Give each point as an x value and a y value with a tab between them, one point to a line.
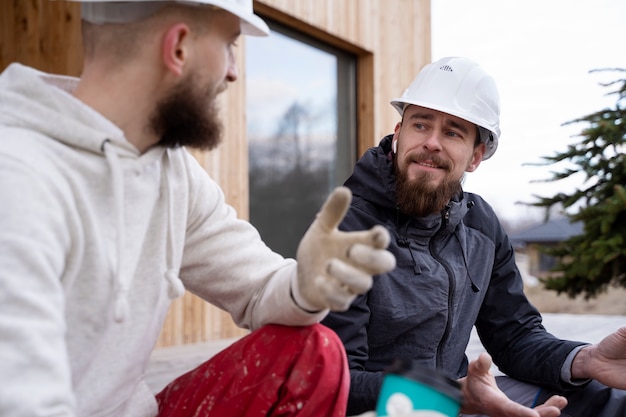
410	389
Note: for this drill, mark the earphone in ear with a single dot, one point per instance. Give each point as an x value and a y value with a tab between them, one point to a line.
394	146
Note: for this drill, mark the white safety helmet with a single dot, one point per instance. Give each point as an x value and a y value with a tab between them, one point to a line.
107	11
460	87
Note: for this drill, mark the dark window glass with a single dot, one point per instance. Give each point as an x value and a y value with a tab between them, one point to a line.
546	262
301	130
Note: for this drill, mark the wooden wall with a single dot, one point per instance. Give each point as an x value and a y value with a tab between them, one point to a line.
391	39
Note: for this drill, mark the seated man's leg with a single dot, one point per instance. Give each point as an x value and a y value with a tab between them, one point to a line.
594	400
274	371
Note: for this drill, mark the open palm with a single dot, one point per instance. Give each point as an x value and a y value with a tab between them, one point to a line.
482	395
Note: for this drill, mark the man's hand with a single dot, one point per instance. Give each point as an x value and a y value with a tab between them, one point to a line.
604	362
335	266
481	395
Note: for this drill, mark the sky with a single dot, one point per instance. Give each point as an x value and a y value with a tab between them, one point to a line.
540	53
273	85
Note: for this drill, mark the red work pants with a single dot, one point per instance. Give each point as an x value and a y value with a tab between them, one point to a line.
274	371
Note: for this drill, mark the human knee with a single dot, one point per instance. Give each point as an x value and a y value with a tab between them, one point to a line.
315	339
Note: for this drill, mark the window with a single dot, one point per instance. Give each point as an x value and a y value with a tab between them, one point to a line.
546	262
301	123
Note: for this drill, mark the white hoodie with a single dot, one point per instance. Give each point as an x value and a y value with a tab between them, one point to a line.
93	239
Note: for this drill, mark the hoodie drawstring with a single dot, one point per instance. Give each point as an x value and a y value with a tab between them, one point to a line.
404	242
122	284
123	278
175	286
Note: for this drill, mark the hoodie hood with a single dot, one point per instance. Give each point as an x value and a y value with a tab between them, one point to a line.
373	178
43	103
32	99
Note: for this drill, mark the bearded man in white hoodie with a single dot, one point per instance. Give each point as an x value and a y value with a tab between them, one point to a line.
105	218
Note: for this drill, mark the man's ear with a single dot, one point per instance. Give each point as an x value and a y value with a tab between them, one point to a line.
477	157
175	48
394	142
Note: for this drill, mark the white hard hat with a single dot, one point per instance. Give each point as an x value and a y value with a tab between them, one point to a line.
460	87
107	11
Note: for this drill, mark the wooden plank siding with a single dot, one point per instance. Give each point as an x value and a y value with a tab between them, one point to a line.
41	33
390	38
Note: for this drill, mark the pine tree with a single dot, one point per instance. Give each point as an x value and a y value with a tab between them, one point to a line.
591	262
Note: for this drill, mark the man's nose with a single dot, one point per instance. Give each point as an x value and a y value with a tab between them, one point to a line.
433	141
232	73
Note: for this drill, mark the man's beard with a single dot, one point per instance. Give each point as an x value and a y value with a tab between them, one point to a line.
188	116
418	197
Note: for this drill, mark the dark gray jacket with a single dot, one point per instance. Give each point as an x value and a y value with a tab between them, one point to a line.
454	270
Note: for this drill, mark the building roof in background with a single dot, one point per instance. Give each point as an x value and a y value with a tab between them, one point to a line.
552	231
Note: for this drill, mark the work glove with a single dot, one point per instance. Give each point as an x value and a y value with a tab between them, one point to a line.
334	266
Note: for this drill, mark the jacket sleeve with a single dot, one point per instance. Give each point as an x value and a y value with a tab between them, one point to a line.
511	328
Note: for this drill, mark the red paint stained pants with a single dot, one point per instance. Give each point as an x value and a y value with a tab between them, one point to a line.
273	371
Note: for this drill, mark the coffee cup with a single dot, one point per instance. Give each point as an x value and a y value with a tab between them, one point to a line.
413	390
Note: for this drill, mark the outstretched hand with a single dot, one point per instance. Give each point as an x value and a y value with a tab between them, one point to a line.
335	266
604	362
481	395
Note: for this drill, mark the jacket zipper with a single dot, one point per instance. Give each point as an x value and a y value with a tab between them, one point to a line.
445	220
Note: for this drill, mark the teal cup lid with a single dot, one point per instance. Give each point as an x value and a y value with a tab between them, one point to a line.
434	378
